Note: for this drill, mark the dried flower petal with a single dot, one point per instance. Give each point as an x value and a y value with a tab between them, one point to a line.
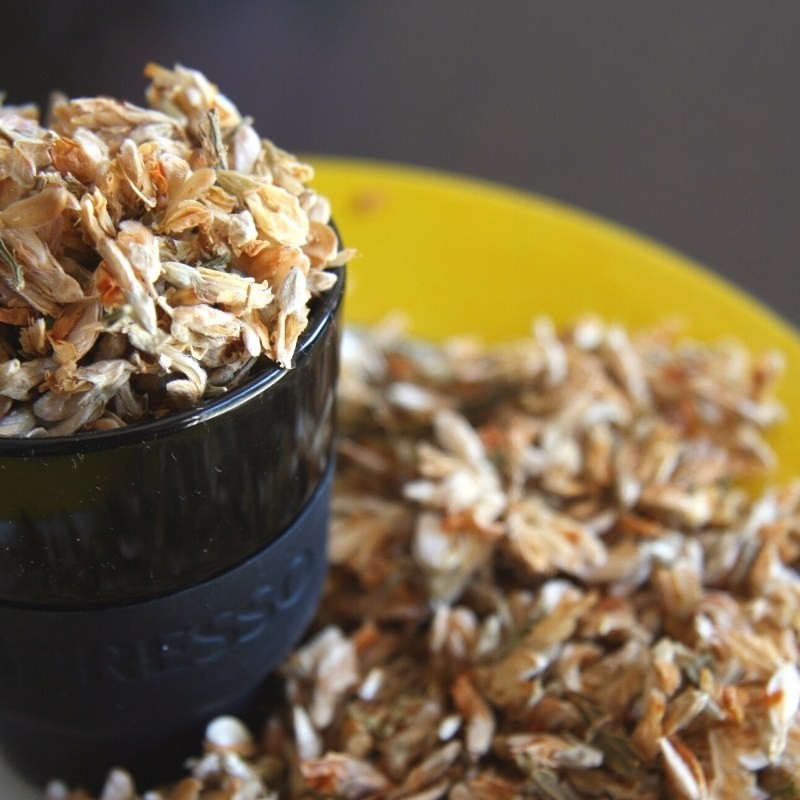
344	776
128	221
546	577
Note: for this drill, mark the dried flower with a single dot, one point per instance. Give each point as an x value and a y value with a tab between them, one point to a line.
176	229
547	580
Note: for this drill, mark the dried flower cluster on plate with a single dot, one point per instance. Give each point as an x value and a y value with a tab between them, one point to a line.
149	257
550	579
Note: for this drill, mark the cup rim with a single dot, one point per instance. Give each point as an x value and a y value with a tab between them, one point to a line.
323	310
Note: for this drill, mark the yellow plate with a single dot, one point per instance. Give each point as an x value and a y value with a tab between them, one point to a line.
459	256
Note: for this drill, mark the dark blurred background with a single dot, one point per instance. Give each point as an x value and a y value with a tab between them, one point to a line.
678	119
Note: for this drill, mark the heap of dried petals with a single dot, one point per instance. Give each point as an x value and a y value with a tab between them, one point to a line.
149	257
548	581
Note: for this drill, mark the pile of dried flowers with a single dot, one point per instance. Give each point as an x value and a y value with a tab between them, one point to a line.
548	581
149	257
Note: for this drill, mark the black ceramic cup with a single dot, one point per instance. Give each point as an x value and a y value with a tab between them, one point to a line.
152	576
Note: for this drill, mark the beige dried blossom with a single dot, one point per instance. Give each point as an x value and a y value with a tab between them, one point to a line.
552	583
176	228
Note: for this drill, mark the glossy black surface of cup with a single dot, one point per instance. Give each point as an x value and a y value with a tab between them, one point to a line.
149	509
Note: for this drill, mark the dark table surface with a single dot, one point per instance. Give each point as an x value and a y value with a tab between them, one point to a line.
678	119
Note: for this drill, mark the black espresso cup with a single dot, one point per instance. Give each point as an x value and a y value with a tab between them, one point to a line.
152	576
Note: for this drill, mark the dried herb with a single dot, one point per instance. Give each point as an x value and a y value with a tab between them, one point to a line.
567	593
176	227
